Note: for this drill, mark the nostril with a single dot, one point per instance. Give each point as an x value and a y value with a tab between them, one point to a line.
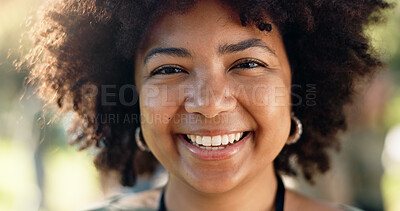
210	104
210	115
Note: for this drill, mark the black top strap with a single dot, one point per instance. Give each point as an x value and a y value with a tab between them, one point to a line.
280	194
279	200
162	201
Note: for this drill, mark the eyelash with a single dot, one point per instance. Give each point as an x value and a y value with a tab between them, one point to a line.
177	69
248	61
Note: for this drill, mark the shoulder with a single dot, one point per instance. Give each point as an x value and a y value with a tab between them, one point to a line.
142	201
297	201
148	199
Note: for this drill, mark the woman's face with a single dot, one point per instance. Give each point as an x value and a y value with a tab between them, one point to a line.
204	77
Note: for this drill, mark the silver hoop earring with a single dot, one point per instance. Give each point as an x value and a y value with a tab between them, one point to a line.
298	132
139	142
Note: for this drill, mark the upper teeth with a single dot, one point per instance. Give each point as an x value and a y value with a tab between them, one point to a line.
215	140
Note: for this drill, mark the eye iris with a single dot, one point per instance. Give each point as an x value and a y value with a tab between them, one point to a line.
248	65
170	70
167	70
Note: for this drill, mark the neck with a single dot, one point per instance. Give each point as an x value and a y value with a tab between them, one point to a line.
257	193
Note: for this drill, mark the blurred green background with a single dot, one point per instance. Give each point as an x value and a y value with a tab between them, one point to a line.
39	171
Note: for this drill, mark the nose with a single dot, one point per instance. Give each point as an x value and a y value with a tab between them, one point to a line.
210	97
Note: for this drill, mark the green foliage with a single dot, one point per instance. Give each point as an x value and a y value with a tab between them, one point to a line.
392	111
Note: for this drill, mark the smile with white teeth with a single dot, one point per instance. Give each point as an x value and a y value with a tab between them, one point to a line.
214	142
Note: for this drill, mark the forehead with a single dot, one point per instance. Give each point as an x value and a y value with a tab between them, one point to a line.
206	23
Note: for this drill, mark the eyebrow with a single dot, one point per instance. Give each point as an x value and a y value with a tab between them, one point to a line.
243	45
178	52
224	49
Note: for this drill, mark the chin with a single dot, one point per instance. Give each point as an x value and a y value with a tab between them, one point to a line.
214	186
214	182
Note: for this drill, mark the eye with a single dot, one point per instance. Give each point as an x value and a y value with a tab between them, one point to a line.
248	64
167	70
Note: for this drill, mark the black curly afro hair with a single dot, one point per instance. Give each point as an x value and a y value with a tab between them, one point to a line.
81	45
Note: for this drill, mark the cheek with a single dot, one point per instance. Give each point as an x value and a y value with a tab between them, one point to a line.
158	106
269	104
267	95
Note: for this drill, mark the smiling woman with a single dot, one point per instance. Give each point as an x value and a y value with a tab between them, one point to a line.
222	89
205	81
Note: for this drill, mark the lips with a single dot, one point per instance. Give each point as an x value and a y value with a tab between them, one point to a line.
218	152
217	142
